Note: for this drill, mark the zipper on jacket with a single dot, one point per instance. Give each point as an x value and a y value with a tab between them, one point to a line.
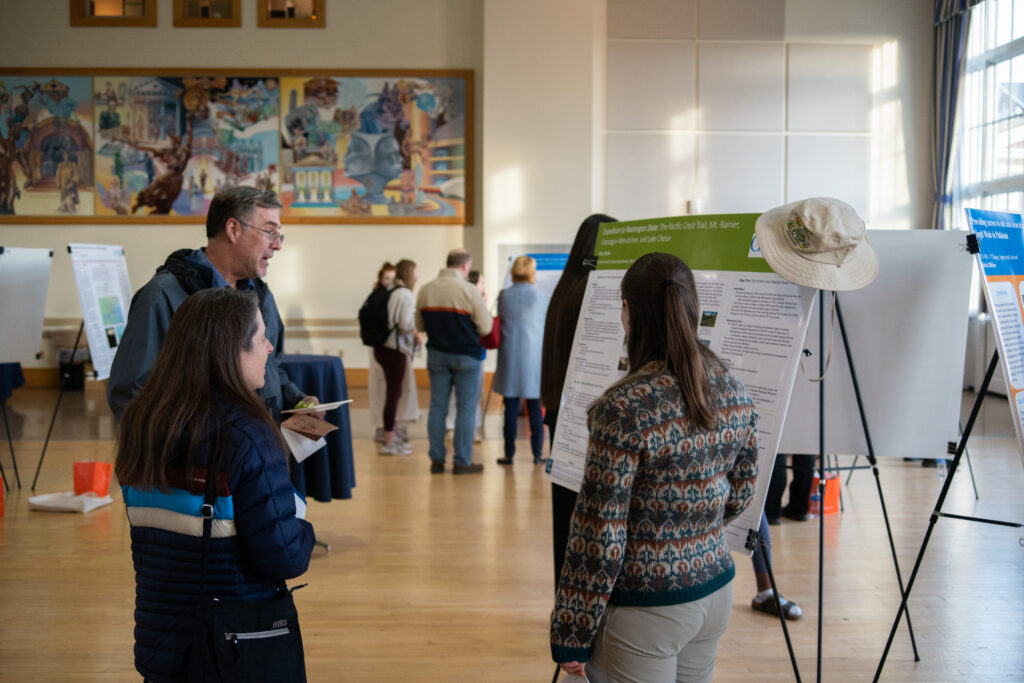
255	635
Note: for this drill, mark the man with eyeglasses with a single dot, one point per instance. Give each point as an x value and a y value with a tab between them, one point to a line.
243	230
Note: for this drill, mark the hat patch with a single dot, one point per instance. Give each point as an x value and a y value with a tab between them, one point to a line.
798	235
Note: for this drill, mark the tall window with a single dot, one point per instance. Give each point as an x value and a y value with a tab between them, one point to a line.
991	160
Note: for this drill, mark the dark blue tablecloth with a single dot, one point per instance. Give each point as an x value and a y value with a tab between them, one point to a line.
330	472
11	378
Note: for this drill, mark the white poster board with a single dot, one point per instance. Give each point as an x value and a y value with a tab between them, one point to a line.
549	270
24	280
105	293
752	318
1000	238
907	332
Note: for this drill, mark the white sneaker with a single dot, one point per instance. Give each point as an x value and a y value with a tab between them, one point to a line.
395	448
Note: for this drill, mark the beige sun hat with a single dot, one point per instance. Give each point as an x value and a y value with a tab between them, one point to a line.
819	243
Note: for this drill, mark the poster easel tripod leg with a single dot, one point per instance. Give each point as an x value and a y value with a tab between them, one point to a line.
937	512
10	444
762	546
873	461
967	455
56	408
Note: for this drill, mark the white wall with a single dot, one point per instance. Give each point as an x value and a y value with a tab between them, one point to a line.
541	82
741	105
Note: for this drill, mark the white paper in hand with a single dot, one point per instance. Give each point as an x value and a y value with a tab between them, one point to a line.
300	506
300	446
575	679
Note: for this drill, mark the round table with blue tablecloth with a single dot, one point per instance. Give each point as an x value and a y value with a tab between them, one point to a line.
329	473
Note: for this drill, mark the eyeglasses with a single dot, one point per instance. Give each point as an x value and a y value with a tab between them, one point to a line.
272	235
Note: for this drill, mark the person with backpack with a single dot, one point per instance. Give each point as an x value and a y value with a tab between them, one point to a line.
387	323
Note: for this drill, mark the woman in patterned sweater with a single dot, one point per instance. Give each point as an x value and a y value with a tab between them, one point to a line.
645	593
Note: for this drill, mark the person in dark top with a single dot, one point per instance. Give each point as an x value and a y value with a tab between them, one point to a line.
199	416
559	329
243	230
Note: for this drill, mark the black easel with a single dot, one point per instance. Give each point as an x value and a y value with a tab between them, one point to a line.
952	449
873	463
937	512
10	444
65	377
762	545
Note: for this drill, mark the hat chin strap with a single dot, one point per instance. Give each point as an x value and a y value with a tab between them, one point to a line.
834	257
831	338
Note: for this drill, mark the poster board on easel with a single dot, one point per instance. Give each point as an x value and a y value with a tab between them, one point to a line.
907	332
105	294
752	318
24	281
1000	238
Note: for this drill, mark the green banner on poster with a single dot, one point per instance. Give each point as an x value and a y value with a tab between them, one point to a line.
712	242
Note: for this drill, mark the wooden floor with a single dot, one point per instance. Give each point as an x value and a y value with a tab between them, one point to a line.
442	578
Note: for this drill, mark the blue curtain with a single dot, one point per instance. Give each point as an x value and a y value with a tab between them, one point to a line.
952	18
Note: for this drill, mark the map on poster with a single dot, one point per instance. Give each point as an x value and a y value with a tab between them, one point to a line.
105	293
24	279
752	318
1001	259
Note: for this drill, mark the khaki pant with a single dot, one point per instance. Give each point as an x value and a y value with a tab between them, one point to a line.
660	644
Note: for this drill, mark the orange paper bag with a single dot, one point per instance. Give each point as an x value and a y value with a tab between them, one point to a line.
831	495
92	476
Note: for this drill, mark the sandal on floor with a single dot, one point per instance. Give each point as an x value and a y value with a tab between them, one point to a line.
769	606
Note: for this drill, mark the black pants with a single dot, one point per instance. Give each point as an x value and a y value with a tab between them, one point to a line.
799	488
563	502
393	363
536	420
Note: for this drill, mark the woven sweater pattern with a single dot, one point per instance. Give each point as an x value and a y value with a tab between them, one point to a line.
648	528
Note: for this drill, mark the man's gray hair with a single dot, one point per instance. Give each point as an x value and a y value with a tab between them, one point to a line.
237	202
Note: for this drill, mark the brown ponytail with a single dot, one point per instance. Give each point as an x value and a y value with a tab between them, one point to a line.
664	312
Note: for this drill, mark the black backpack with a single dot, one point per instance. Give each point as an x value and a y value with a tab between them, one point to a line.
373	317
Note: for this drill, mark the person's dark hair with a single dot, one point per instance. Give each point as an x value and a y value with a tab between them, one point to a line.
385	267
458	258
564	310
237	202
197	373
664	311
473	277
404	270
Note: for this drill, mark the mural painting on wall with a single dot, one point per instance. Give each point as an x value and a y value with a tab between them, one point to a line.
166	145
374	147
46	145
96	145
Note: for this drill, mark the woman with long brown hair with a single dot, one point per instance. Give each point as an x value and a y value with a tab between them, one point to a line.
197	414
645	592
559	330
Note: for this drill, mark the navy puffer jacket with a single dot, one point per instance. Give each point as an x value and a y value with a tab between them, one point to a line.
257	541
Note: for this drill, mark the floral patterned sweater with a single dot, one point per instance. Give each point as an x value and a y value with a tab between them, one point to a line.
648	528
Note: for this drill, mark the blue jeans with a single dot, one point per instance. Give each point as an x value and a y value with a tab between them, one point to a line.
462	372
